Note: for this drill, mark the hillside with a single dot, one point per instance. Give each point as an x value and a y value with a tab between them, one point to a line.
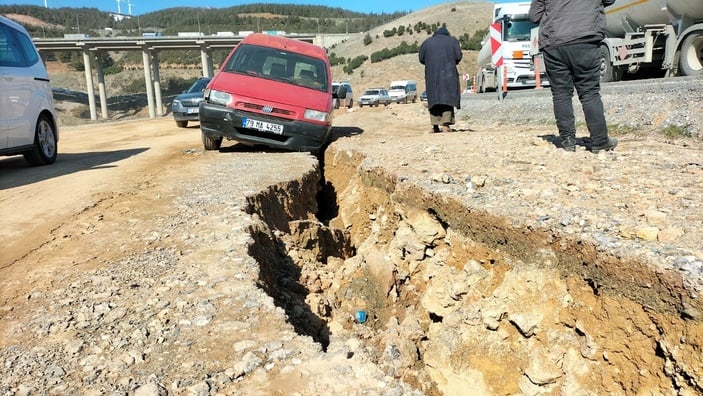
55	22
460	18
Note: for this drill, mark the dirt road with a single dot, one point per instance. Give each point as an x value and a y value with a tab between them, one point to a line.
140	263
96	162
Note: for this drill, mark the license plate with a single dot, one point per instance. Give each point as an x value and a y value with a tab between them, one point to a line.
192	110
262	126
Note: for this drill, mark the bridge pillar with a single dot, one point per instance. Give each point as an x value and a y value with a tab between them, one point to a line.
101	85
146	59
89	84
157	82
206	61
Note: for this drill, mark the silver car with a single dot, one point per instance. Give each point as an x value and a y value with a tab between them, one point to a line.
28	123
185	107
374	97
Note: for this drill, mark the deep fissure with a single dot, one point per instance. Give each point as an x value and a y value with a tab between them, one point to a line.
442	304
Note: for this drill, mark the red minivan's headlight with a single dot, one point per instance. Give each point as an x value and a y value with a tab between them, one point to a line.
317	115
218	97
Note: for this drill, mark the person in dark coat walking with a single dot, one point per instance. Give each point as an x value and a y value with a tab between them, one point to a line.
440	54
570	32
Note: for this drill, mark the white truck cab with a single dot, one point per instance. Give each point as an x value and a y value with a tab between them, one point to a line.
515	50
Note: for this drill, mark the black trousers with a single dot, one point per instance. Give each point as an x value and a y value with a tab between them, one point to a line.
576	66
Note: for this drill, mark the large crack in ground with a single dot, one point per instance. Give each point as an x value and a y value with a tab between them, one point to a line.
460	301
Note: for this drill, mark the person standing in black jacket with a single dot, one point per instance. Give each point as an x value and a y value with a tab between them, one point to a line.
570	32
440	54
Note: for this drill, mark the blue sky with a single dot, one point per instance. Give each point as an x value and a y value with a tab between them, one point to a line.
140	7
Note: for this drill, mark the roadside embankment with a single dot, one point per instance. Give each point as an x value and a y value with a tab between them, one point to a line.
667	105
489	248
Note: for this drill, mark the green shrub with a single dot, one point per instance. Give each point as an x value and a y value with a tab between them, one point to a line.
677	131
355	63
618	129
176	85
473	43
335	60
402	49
135	86
114	69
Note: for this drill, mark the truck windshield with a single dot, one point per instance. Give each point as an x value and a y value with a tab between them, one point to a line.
284	66
518	29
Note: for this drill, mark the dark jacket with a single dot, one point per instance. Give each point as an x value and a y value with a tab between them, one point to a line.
568	21
440	54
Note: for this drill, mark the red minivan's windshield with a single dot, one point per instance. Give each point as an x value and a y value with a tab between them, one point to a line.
284	66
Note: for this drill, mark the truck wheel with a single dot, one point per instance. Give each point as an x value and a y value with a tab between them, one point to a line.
608	72
182	124
692	55
44	150
210	143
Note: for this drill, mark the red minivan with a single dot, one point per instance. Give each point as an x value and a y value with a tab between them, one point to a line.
272	91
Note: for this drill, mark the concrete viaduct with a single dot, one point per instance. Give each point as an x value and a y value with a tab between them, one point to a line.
150	46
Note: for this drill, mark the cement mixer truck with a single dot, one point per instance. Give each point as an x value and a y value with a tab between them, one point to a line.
660	34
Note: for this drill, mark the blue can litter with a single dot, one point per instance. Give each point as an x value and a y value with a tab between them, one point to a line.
360	316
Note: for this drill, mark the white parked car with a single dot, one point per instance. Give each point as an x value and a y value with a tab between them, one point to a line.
28	123
374	97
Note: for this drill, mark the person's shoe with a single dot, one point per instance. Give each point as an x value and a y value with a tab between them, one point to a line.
568	144
435	129
609	145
